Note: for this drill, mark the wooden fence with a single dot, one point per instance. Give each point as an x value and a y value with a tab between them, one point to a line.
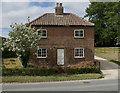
107	50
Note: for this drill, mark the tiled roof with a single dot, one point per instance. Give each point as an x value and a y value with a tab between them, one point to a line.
66	19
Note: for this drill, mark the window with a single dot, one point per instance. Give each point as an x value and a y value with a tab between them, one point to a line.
79	52
41	53
43	33
79	33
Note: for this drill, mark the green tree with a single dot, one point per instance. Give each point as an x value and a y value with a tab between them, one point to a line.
22	39
105	16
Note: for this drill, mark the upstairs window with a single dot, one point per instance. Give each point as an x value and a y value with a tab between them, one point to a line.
79	52
41	53
43	33
79	33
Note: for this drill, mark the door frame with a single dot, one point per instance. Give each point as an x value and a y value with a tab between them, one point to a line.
57	56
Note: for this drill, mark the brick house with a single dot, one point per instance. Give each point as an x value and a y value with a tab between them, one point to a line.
66	39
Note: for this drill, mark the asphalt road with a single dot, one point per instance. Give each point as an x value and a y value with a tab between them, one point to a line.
78	85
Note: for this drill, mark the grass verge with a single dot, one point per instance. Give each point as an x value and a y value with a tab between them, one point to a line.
111	60
25	79
114	61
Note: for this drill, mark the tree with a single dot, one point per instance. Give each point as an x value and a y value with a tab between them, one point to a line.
22	40
105	16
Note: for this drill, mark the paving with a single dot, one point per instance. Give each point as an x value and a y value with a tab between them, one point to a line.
109	69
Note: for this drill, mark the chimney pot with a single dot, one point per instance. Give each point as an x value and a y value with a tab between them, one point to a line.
57	4
60	4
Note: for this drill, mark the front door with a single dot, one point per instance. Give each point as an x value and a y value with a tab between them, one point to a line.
60	56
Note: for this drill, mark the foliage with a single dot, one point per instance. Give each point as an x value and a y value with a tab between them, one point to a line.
30	65
82	70
105	15
22	39
29	72
8	54
47	71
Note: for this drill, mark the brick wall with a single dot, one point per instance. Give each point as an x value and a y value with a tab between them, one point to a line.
63	37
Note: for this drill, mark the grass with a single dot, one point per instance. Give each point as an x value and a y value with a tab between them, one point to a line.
25	79
117	62
12	63
109	53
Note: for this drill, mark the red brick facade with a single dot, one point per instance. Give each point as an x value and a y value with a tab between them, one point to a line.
63	37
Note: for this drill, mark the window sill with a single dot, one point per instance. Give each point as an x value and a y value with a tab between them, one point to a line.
41	57
44	37
79	37
79	57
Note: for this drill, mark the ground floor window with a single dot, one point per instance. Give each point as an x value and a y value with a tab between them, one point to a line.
79	52
42	53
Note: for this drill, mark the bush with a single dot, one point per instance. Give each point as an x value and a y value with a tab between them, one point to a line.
47	71
82	70
30	65
29	72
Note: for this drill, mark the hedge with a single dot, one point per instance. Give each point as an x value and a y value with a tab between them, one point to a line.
29	72
82	70
47	71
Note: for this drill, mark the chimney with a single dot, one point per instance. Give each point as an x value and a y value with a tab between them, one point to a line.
59	9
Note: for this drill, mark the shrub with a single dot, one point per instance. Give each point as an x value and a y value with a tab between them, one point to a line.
85	64
30	65
29	72
82	70
47	71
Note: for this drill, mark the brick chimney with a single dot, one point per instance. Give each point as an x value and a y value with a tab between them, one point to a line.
59	9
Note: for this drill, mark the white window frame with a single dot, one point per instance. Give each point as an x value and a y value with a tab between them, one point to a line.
41	32
79	56
79	36
41	52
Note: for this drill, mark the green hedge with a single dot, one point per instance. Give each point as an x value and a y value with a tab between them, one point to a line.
29	72
47	71
82	70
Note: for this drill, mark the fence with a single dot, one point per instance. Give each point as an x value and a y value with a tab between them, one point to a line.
107	49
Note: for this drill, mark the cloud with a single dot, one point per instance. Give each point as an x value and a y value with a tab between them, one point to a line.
19	11
76	7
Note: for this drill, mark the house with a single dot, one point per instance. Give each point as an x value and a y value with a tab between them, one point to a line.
66	39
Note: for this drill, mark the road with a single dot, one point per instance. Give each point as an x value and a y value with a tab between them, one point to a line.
78	85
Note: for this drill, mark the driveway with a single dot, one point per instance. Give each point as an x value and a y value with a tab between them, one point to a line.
109	69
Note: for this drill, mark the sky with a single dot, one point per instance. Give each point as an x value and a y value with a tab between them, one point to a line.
12	11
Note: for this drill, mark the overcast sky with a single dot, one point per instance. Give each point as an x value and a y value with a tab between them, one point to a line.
18	10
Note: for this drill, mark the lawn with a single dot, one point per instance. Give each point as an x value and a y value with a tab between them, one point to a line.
25	79
109	53
12	63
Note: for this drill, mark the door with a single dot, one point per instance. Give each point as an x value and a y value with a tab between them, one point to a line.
60	56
